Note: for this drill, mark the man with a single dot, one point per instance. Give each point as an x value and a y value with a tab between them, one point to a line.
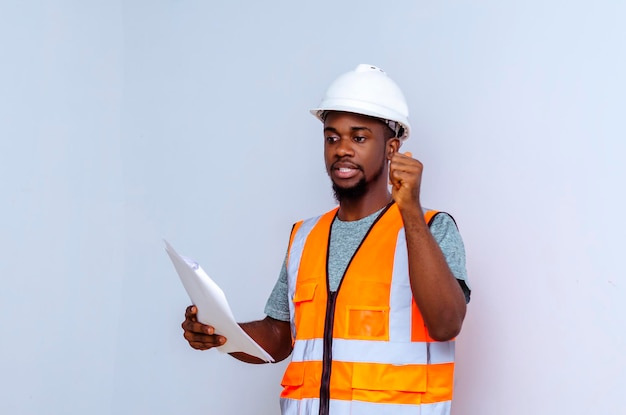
372	293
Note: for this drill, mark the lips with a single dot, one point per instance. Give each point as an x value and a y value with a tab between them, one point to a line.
343	170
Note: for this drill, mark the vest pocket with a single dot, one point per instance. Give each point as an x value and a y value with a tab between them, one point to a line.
294	375
302	380
292	381
304	292
305	315
367	323
385	377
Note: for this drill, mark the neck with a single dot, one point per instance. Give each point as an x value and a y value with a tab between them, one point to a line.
355	209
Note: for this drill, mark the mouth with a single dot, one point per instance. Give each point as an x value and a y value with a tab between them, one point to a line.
342	170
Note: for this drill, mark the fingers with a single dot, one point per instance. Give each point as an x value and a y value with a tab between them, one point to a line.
399	163
403	167
196	327
191	322
190	312
404	162
203	341
405	176
399	177
403	157
200	336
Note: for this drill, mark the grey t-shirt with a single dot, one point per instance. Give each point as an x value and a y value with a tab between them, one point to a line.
344	241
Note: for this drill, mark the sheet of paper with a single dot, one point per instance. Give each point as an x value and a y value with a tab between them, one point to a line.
213	308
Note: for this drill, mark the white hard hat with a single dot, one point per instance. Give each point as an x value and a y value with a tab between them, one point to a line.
368	90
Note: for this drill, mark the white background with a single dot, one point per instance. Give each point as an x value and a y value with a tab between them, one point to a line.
122	123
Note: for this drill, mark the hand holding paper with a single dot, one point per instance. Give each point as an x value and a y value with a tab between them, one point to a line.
213	308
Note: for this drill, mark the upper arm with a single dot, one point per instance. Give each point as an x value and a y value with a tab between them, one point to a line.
447	236
277	305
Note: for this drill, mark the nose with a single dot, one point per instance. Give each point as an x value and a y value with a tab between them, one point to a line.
344	148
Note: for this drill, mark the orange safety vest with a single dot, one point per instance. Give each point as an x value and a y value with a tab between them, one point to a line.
364	349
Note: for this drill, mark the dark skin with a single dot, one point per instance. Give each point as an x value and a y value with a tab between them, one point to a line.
358	147
272	335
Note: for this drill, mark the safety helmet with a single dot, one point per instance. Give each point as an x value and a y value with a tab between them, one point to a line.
367	90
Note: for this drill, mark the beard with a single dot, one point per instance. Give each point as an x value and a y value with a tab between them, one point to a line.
350	193
359	190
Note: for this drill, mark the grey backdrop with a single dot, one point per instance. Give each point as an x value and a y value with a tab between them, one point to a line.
125	122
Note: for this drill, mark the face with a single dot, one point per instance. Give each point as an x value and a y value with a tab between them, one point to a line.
356	151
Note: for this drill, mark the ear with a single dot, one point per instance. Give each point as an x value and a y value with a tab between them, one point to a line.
392	146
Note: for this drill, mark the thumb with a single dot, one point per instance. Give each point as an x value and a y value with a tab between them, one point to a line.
408	154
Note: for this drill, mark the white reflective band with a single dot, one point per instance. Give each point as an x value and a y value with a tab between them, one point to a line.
337	407
308	350
297	246
365	351
368	408
401	296
293	264
299	407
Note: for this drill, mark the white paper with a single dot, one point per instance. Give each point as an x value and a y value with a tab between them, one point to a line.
213	308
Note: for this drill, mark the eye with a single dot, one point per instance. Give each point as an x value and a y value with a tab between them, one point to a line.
332	138
359	139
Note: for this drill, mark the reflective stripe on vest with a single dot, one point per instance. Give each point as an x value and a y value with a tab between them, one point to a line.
296	245
411	353
311	406
383	360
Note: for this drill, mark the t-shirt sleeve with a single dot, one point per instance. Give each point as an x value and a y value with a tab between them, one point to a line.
446	233
277	306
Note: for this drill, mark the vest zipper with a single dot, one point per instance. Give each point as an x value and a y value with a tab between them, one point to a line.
329	320
327	361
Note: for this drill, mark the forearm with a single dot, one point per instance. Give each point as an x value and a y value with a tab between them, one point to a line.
435	289
274	336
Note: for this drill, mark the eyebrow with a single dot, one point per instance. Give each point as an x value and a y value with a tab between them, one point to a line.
353	129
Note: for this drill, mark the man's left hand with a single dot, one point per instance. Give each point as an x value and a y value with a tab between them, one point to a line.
405	177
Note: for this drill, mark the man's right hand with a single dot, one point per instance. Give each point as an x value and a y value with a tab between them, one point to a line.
200	336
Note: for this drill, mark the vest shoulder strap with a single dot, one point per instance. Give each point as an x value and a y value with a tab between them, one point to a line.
429	216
